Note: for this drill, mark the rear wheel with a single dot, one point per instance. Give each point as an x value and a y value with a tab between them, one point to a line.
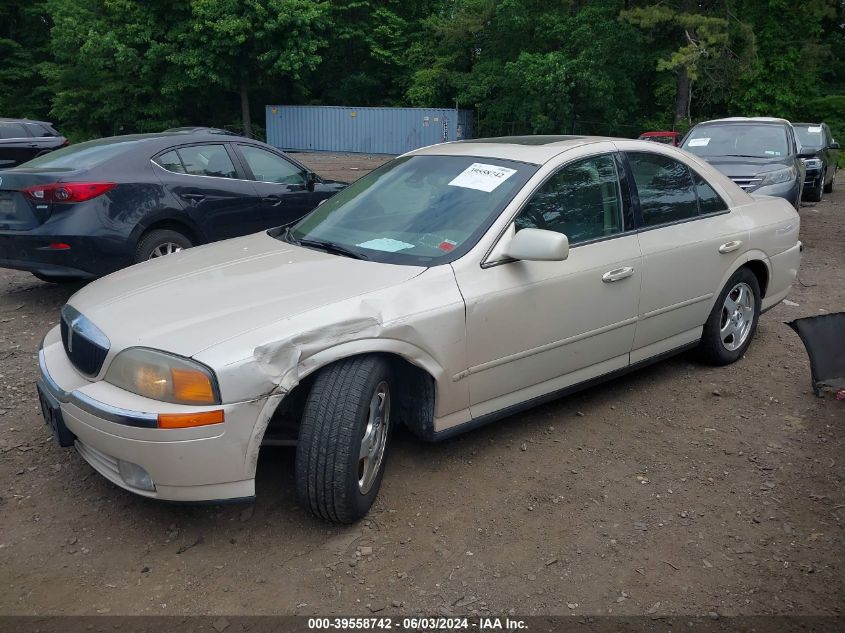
159	243
732	321
343	438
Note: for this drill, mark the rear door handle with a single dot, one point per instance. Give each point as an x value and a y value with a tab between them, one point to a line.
272	200
193	196
616	274
730	247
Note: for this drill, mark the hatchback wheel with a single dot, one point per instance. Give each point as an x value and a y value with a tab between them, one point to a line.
159	243
343	438
733	320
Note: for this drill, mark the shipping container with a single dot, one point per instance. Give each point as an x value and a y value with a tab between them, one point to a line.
363	130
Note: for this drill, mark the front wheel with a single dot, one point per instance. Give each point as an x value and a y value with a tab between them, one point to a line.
343	438
815	194
732	321
828	188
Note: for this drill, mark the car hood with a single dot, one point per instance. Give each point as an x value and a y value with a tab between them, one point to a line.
744	167
192	300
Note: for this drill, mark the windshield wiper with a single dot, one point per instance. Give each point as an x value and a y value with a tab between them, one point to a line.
330	247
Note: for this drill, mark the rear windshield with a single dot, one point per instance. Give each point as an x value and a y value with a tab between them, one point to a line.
752	140
810	136
80	156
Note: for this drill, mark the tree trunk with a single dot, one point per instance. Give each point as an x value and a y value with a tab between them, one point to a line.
245	108
682	96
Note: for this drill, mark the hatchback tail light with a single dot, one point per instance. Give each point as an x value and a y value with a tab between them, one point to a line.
68	191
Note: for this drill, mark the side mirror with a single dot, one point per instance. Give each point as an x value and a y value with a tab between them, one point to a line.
538	245
806	153
310	180
833	145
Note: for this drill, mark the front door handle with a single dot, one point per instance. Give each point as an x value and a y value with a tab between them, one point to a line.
730	247
194	197
271	200
616	274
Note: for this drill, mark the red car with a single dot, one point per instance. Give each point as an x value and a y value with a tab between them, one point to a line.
669	138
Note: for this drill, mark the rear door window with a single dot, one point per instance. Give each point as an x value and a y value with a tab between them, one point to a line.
12	129
665	188
207	160
171	162
708	200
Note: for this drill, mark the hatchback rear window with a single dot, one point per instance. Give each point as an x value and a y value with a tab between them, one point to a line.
80	156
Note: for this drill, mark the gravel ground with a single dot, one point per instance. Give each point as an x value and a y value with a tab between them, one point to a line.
680	489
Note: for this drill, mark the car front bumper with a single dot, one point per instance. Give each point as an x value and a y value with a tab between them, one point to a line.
110	426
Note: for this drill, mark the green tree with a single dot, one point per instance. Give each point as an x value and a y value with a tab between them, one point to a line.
235	44
23	49
697	43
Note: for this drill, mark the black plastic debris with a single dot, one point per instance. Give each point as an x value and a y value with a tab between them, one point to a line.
824	338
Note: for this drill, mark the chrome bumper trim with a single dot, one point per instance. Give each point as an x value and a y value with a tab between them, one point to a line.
92	406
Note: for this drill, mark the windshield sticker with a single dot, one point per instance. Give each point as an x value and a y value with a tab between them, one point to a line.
814	130
447	245
482	177
385	244
699	142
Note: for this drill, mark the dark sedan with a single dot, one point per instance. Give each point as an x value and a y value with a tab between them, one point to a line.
22	140
816	139
92	208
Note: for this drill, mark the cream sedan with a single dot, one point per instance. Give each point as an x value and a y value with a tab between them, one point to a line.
455	285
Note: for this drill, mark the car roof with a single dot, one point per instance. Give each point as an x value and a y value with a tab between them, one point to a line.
8	119
747	119
537	149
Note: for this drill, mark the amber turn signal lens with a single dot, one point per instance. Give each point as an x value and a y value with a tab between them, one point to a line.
188	420
191	387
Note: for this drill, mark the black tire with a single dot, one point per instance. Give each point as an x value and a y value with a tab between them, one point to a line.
711	348
56	279
334	421
828	188
815	194
157	238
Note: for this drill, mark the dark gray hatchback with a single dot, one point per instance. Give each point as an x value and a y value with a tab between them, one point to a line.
759	154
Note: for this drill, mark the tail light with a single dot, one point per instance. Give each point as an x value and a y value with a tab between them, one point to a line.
68	191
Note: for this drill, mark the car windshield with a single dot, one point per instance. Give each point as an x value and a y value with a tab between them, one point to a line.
755	140
417	210
810	136
79	156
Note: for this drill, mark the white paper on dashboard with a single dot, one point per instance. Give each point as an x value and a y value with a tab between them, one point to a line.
814	130
482	177
699	142
385	244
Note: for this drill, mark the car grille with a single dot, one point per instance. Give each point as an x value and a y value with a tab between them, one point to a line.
747	183
85	345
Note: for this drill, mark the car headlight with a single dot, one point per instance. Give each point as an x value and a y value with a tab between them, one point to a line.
163	376
813	163
778	176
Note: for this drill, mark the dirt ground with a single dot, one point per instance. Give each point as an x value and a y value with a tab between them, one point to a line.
680	489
